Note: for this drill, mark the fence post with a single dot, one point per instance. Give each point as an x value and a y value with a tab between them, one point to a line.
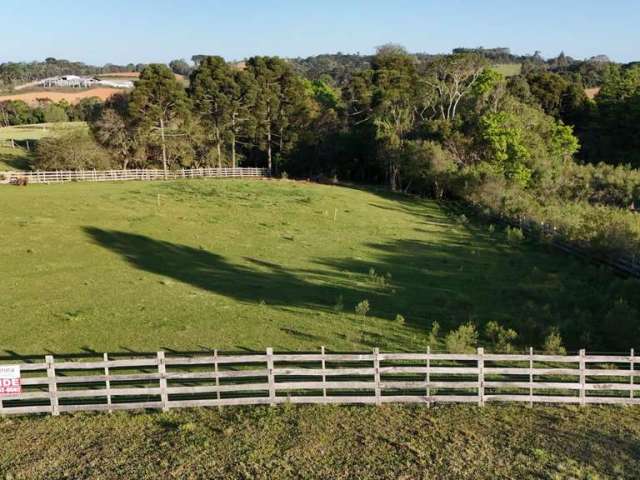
428	376
162	371
107	382
53	386
530	376
216	370
631	367
583	391
376	373
324	373
481	376
270	376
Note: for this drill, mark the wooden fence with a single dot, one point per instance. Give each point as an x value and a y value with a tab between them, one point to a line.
60	176
165	381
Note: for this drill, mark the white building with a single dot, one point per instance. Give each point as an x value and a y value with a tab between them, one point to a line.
74	81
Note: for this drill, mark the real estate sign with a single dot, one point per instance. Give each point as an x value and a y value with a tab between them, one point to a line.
10	380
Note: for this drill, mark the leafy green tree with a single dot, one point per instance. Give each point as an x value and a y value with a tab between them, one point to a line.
158	103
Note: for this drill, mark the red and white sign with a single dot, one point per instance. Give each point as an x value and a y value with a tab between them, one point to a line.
10	380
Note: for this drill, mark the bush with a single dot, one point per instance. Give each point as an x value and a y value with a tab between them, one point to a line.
362	308
553	343
75	150
462	340
500	337
514	234
400	319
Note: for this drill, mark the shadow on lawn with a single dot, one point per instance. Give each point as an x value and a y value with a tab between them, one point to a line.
426	282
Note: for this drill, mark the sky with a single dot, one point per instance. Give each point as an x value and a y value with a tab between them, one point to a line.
143	31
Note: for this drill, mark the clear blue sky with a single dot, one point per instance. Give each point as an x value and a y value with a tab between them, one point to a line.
122	31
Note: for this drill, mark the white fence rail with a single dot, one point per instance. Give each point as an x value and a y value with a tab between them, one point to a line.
164	382
60	176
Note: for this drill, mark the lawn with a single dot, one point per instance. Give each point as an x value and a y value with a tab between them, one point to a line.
26	138
388	442
237	265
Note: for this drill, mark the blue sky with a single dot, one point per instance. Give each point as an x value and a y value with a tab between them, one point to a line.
122	31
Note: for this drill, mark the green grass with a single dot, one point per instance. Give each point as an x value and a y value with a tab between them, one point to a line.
388	442
19	158
249	264
508	69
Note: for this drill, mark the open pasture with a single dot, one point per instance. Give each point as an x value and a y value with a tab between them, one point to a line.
234	265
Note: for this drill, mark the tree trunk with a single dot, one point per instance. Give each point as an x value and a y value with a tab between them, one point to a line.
233	140
164	148
269	146
218	147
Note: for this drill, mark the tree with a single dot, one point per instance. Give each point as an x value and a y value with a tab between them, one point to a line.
279	109
211	88
180	66
452	78
393	103
157	103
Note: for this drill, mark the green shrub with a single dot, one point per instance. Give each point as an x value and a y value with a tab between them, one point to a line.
553	343
514	234
462	340
400	319
362	308
500	337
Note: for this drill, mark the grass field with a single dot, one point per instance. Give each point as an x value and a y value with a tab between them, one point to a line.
18	158
508	69
249	264
388	442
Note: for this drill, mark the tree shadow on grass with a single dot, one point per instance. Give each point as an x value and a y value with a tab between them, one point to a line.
470	278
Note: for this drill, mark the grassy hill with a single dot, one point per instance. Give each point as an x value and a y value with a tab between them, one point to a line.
250	264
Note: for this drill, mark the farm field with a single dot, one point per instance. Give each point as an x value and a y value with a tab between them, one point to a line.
508	69
72	95
18	158
238	265
387	442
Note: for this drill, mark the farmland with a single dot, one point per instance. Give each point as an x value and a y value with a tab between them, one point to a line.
70	95
244	265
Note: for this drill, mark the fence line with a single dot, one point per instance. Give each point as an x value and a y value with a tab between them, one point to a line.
166	382
626	264
60	176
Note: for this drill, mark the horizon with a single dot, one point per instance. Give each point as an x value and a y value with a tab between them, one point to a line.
158	32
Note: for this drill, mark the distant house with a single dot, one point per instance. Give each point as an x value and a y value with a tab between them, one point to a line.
74	81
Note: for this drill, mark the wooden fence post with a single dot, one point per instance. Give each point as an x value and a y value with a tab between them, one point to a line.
376	373
530	376
270	376
324	373
583	381
53	386
428	376
631	367
107	382
162	371
481	376
216	370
